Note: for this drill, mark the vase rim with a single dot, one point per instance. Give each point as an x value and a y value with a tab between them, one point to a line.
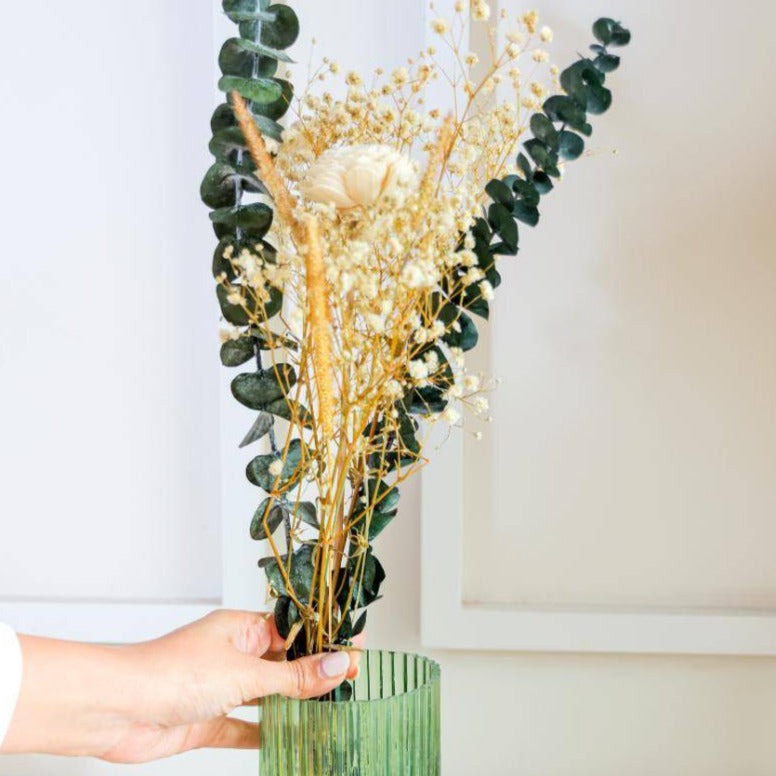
434	676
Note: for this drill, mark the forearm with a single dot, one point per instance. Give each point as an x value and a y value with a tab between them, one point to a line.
74	698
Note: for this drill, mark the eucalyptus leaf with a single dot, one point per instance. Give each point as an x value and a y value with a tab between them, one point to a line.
570	145
236	314
275	512
259	474
300	571
289	409
238	59
602	30
251	16
286	615
254	219
524	165
218	185
544	130
378	522
460	329
258	90
256	390
542	182
473	301
499	192
526	213
526	192
367	584
223	119
424	401
502	222
543	156
260	49
359	625
606	63
276	109
283	31
260	428
306	511
342	693
237	352
567	110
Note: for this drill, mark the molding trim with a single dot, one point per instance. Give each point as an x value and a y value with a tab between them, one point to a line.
447	622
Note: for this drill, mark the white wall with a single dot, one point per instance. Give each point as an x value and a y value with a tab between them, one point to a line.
567	715
109	447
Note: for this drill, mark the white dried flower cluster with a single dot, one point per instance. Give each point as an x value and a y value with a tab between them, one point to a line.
359	175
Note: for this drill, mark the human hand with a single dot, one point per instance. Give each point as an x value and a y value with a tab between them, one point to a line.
152	700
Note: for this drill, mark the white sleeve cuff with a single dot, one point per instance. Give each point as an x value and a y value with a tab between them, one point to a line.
10	677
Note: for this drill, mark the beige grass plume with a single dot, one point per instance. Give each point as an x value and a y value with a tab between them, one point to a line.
307	238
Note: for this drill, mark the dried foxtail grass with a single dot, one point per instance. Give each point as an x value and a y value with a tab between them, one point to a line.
284	201
320	325
307	236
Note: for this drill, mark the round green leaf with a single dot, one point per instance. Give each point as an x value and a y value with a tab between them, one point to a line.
620	36
277	109
606	63
502	222
243	58
259	474
219	186
237	352
602	30
277	513
286	615
258	90
254	219
223	124
499	192
258	48
543	129
543	157
283	31
526	213
526	192
307	513
234	313
599	98
258	389
570	145
565	109
460	329
542	182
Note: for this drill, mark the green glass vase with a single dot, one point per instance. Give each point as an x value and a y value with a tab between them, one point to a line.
389	727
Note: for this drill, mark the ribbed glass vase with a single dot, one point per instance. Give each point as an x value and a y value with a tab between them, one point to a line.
390	727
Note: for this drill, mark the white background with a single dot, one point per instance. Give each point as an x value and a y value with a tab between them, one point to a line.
120	257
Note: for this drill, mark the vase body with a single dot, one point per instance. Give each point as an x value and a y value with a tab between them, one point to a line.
390	727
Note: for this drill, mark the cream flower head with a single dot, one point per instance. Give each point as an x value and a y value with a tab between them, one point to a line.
358	175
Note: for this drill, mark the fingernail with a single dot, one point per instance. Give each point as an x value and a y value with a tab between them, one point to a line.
334	664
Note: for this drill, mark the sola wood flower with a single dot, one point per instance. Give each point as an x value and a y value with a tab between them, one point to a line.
358	175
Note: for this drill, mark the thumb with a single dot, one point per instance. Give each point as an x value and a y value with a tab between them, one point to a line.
307	677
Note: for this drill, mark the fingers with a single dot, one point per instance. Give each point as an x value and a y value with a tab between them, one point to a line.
307	677
224	733
252	633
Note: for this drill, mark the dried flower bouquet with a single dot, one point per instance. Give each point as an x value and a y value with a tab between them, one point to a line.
374	233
